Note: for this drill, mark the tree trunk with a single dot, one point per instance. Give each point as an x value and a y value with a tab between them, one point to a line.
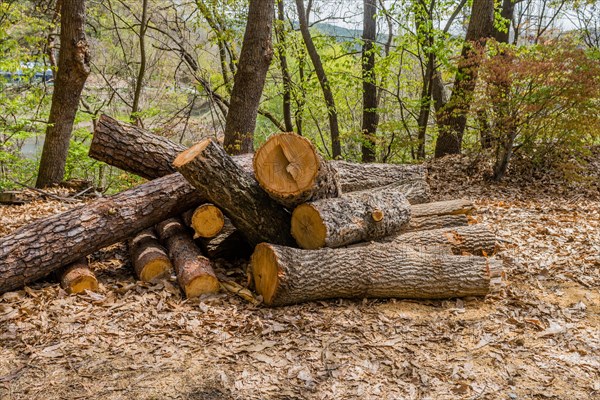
139	82
224	183
290	169
447	207
285	275
249	79
416	191
452	118
351	218
73	70
78	277
336	149
195	274
37	249
507	13
436	222
206	220
370	117
148	257
285	71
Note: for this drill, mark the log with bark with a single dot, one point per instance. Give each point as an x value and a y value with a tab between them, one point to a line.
447	207
436	222
206	220
291	170
37	249
78	277
148	256
284	275
140	152
195	274
221	181
351	218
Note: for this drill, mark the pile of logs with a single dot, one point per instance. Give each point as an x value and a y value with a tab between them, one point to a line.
312	229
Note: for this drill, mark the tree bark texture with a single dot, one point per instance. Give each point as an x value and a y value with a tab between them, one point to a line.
452	118
195	274
354	177
350	218
285	275
78	277
221	181
291	170
446	207
148	257
370	117
436	222
73	70
249	79
37	249
416	191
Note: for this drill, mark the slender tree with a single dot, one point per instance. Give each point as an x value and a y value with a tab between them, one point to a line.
249	79
370	116
73	70
285	71
139	82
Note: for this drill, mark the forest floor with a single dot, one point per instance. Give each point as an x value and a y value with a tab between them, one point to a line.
538	337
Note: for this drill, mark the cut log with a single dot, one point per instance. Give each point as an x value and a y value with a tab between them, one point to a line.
206	220
229	244
11	197
351	218
195	274
220	180
448	207
472	239
142	153
78	277
416	191
149	258
284	275
291	170
436	222
37	249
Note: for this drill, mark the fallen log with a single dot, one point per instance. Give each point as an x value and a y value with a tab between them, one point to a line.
140	152
206	220
78	277
472	239
221	181
284	275
291	170
148	256
195	274
416	191
37	249
229	244
436	222
448	207
351	218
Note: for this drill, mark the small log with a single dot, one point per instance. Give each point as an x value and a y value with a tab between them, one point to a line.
448	207
354	177
353	217
78	277
149	258
291	170
473	239
35	250
284	275
11	197
220	180
416	191
436	222
195	274
206	220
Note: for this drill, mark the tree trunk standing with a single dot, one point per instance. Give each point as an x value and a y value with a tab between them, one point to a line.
285	72
249	79
452	118
142	71
73	70
336	149
370	117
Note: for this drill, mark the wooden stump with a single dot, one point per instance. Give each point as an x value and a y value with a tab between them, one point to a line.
206	220
353	217
149	258
284	275
289	168
78	277
194	271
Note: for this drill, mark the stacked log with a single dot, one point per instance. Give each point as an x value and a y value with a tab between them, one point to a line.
78	277
148	256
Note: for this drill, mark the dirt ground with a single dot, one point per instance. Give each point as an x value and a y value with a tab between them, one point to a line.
537	337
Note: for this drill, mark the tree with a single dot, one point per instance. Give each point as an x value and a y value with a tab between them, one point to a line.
370	116
285	71
249	79
73	70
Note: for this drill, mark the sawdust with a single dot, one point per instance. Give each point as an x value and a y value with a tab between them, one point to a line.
538	337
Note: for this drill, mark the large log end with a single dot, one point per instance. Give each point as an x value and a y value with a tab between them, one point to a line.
188	155
265	271
207	221
308	227
78	278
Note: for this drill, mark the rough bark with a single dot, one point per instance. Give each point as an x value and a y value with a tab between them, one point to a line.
436	222
37	249
354	177
351	218
249	79
195	274
473	239
78	277
370	117
148	257
416	191
221	181
291	170
206	220
447	207
285	275
73	70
